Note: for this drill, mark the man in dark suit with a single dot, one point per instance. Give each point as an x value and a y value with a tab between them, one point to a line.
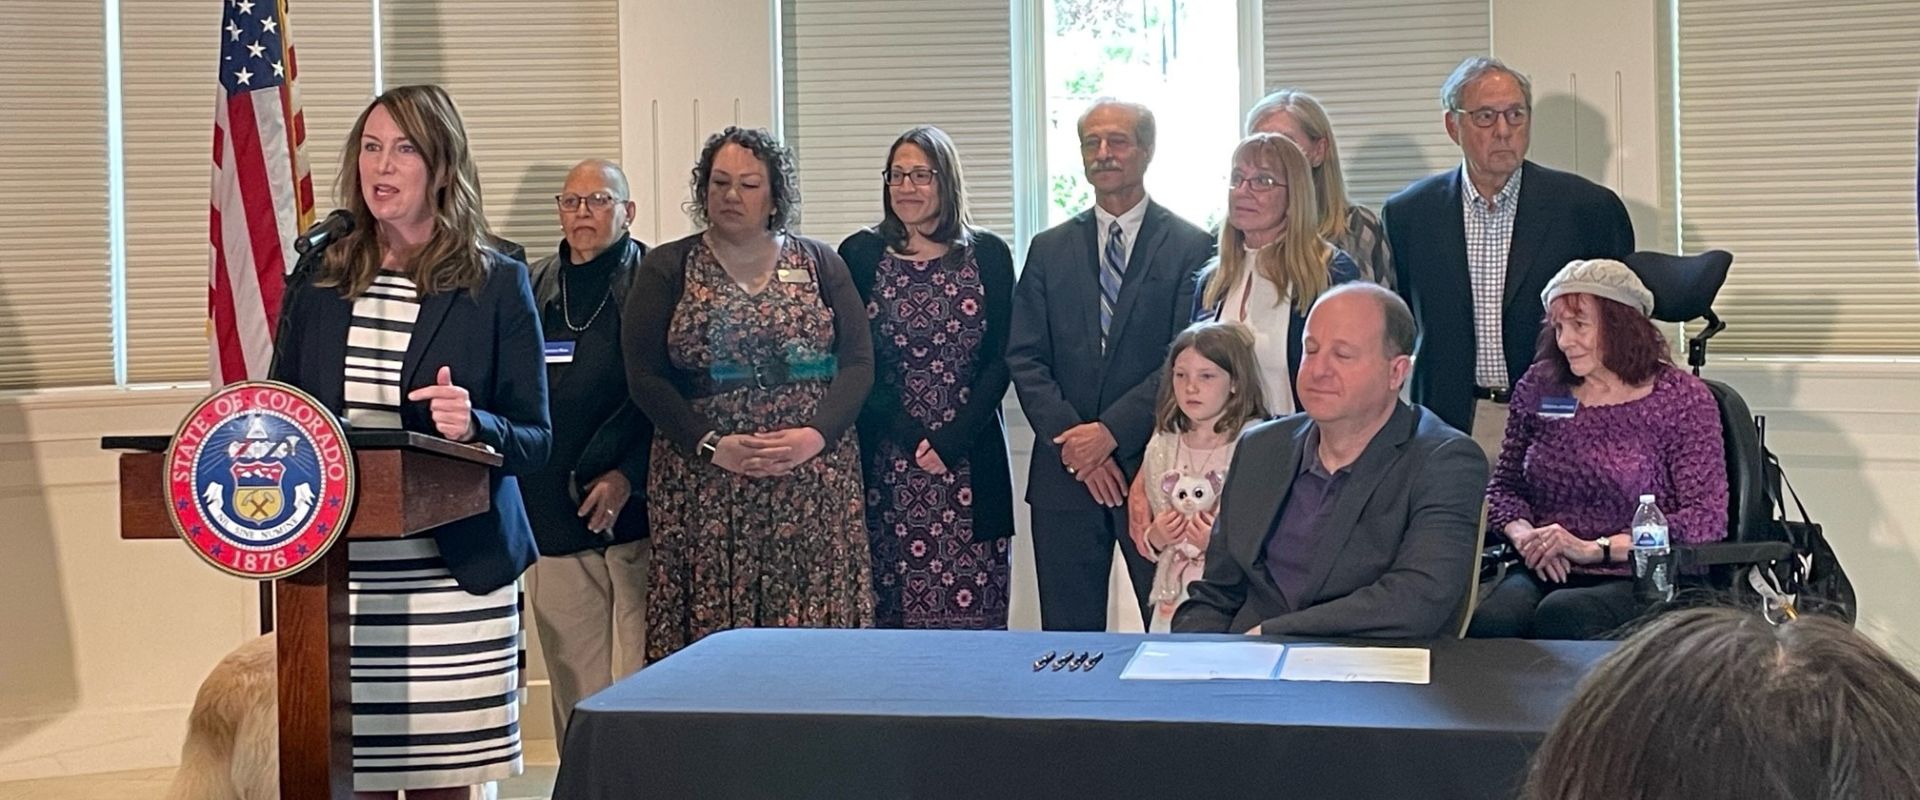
1359	517
1101	296
1474	246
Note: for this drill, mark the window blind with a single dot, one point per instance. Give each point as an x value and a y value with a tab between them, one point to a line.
168	53
1377	66
858	73
56	315
1797	155
538	87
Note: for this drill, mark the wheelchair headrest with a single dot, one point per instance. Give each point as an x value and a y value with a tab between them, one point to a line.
1683	286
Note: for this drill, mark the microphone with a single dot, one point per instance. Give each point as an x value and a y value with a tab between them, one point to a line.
337	224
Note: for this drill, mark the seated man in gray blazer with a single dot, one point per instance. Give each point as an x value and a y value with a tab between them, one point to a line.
1359	517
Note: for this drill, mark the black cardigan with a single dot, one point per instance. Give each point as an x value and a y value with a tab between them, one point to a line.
978	432
596	427
657	385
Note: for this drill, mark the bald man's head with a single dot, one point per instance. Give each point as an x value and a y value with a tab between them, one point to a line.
1355	353
602	208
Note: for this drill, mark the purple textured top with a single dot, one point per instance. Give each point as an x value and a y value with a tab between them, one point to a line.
1587	472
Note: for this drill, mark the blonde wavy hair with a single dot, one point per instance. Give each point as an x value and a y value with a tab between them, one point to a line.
1330	184
1296	264
455	257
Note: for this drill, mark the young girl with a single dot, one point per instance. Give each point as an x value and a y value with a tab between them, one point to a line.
1209	392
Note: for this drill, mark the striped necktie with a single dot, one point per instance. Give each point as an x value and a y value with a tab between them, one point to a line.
1113	270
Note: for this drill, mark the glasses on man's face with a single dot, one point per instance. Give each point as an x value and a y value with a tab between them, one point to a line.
919	177
598	201
1484	117
1259	182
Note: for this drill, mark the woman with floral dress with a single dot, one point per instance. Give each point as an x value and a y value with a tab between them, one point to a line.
749	350
939	489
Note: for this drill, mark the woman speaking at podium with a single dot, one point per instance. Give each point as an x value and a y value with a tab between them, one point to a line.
410	320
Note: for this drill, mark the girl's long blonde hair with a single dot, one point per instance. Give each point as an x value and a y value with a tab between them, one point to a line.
1298	261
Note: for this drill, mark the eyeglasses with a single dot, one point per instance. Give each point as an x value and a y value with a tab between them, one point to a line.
1259	182
598	201
1484	117
920	177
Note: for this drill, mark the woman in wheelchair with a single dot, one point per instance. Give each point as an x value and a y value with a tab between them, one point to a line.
1602	417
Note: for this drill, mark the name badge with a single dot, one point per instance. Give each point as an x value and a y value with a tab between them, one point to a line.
793	276
560	352
1558	407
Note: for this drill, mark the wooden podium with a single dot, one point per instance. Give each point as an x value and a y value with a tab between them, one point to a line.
408	483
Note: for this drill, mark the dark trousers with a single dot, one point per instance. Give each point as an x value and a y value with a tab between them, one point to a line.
1073	557
1526	607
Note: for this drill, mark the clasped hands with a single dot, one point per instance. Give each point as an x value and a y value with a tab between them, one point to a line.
1087	452
1550	551
767	454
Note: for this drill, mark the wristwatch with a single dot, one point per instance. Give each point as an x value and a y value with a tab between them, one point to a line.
709	444
1606	549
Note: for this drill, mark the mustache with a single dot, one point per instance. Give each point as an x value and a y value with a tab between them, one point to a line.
1103	166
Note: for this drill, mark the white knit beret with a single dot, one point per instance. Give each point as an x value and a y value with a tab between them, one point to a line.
1601	277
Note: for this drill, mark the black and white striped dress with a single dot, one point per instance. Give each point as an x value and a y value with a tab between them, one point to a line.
435	669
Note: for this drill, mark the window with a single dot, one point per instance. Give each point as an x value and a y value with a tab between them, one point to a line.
1796	153
1377	66
535	100
166	58
1179	58
858	73
56	317
538	86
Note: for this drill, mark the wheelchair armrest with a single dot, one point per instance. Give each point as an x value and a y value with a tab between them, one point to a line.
1713	554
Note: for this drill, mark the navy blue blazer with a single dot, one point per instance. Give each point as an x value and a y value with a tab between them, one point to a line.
1561	217
1340	270
491	341
1053	352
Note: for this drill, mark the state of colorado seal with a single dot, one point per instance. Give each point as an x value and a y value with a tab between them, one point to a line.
259	480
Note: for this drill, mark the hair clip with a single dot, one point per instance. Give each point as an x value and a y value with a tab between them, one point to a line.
1087	665
1038	665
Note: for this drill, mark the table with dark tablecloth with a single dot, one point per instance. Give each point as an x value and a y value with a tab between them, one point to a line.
926	714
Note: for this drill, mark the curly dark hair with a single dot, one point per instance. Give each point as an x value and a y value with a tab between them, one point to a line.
778	160
1630	346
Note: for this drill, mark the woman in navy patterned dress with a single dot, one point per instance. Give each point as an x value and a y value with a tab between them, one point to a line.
933	444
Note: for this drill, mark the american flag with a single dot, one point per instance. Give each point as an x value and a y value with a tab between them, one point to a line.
262	187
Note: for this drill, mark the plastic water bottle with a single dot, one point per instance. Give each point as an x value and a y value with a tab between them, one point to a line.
1652	556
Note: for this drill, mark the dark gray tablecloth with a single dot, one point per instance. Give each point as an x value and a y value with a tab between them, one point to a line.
904	714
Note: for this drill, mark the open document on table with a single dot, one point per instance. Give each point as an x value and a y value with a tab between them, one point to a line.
1202	661
1357	664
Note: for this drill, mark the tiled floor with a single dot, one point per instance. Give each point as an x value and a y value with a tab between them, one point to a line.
150	784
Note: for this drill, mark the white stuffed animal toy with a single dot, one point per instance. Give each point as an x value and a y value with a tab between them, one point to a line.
1180	564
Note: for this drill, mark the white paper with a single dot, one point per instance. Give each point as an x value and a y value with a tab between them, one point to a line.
1357	664
1203	661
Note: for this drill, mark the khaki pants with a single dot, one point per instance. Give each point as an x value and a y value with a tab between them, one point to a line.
1489	427
591	611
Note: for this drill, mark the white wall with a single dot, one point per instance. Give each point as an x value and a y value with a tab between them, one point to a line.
688	69
103	642
1596	75
1848	435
